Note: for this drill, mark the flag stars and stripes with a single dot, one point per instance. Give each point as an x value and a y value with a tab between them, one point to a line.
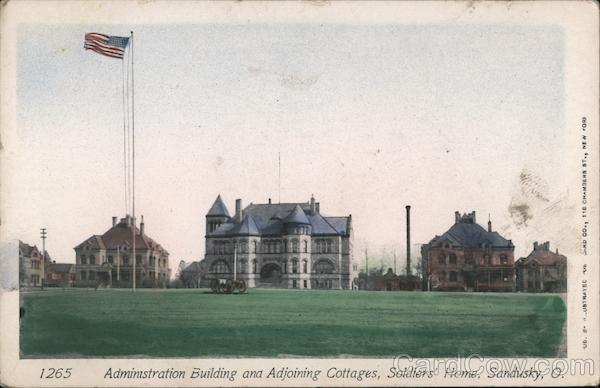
111	46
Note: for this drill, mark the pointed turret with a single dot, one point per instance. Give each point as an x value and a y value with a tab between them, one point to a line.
217	215
218	209
247	227
297	216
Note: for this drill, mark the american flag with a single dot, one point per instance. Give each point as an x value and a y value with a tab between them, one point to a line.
111	46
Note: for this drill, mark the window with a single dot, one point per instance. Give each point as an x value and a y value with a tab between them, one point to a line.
324	266
468	257
319	246
111	259
487	260
285	246
92	275
328	247
329	283
442	276
254	265
285	266
219	266
153	261
452	258
82	275
92	260
83	259
453	276
305	246
125	260
254	244
442	259
304	266
305	283
243	266
294	265
138	259
295	246
295	283
503	259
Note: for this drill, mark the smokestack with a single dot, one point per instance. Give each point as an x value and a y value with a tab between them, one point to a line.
142	226
114	221
490	226
456	217
535	245
313	206
238	210
408	240
269	201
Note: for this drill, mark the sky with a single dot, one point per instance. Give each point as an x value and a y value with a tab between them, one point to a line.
366	118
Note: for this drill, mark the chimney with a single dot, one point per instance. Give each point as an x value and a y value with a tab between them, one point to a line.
408	240
456	217
142	226
269	201
490	226
238	210
317	207
535	245
349	225
313	207
114	221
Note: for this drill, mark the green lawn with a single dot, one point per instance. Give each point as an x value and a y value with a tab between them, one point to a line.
271	323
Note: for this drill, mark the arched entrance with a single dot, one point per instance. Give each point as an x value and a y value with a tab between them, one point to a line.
270	274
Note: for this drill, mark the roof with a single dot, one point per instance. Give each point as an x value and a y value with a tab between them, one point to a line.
218	208
27	249
472	235
542	257
194	266
121	235
60	267
297	216
270	218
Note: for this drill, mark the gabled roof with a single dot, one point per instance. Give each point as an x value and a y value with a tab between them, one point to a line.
60	267
472	235
542	257
27	250
218	208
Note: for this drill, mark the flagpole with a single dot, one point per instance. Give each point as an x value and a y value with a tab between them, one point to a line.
133	163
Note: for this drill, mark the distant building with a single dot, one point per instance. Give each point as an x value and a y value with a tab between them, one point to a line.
286	245
191	274
542	270
31	266
60	274
467	257
107	259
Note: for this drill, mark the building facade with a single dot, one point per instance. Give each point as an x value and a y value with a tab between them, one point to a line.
542	270
31	266
467	257
285	245
60	274
107	259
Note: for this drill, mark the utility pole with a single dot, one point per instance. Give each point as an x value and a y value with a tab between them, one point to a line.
367	258
43	234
